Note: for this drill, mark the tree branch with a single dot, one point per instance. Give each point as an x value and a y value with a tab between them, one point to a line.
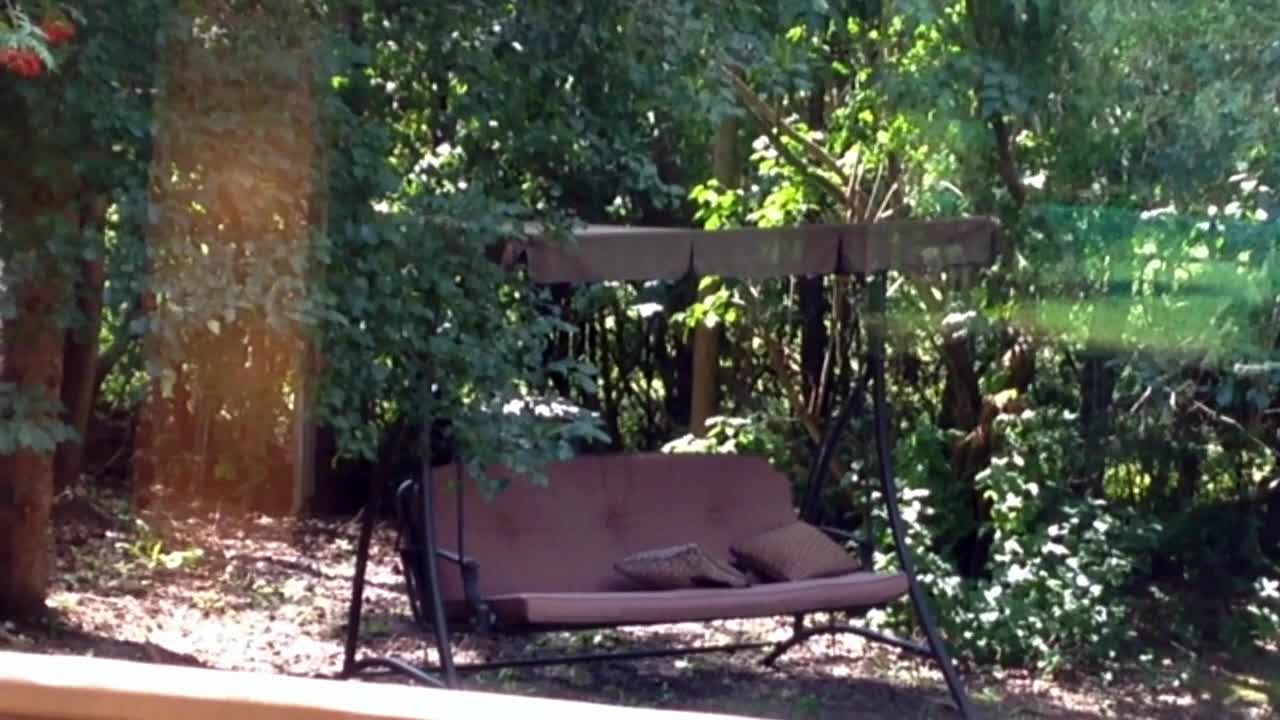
1234	424
818	152
1006	164
776	129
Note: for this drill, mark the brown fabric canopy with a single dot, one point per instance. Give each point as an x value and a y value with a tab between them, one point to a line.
603	252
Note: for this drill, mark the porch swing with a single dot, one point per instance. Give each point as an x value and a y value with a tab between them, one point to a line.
554	558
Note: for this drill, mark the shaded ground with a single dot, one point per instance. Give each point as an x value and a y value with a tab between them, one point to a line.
269	595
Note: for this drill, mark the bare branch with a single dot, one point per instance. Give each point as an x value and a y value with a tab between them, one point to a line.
775	128
819	153
1232	423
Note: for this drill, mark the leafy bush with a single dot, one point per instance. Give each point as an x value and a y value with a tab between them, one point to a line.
1057	589
756	434
29	421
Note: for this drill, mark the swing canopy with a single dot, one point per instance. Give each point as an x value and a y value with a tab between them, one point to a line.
601	253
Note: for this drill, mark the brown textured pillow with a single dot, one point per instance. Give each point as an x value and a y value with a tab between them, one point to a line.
679	566
794	551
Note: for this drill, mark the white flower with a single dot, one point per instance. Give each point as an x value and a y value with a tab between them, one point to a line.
1053	548
1018	574
1269	588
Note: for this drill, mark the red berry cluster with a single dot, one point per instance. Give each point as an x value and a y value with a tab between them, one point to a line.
58	31
24	63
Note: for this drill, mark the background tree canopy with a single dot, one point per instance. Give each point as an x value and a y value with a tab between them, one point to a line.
217	218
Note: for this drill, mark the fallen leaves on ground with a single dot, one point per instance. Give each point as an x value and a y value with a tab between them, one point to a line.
263	594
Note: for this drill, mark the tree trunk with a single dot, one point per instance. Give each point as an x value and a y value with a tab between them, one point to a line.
812	303
80	358
1007	163
706	340
706	358
810	294
1269	535
1097	393
32	362
961	395
32	205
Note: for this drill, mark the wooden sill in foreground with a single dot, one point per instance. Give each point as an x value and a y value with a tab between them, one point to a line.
58	687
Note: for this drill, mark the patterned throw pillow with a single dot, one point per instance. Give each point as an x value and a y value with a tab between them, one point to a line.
795	551
679	566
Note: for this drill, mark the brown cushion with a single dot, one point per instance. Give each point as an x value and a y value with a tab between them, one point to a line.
679	566
596	609
795	551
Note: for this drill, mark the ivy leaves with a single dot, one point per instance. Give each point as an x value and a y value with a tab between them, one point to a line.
30	420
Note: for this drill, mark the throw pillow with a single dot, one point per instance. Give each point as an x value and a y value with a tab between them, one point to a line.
679	566
795	551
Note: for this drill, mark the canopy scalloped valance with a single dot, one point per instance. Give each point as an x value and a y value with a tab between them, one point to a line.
610	252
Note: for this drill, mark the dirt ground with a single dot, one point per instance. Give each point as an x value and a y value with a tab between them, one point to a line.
269	595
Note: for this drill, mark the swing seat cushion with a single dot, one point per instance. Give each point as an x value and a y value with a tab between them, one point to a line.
602	609
548	554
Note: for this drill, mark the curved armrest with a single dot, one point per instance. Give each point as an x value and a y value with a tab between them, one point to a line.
470	568
467	563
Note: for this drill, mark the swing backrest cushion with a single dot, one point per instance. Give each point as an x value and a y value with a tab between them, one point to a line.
567	536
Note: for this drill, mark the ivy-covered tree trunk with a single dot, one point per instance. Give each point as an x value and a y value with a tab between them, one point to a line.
36	212
33	364
80	357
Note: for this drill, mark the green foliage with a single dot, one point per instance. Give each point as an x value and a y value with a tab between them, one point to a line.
29	420
147	549
436	323
1061	565
1127	279
1131	245
755	435
70	136
1057	590
1264	610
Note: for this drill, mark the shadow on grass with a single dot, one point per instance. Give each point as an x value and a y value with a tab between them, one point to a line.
1249	679
714	688
804	687
282	569
820	685
53	637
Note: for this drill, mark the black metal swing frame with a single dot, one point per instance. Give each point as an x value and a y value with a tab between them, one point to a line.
867	249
